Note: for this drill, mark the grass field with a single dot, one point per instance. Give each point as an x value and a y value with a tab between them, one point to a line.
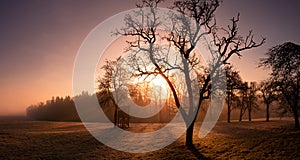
67	140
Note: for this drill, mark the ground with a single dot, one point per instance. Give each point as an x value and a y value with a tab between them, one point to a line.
68	140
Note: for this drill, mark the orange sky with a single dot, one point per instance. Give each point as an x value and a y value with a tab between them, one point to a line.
39	41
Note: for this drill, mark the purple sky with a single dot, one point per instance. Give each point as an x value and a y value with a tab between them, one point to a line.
39	40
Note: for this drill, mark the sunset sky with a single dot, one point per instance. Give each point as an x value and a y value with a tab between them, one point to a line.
39	40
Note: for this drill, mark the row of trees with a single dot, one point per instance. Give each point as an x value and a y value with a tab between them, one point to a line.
64	109
243	96
56	109
247	96
240	95
282	86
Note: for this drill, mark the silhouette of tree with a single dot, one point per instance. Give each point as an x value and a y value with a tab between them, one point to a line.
252	99
268	92
284	61
228	42
111	84
56	109
249	99
105	96
234	84
244	100
184	36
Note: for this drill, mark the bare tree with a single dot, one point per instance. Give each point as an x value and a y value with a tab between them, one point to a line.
244	99
234	84
284	61
105	87
249	99
227	40
183	36
111	82
252	99
268	92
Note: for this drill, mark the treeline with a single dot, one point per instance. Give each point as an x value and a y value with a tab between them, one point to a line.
56	109
64	109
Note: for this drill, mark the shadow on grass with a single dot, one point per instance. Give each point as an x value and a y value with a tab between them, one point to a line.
196	152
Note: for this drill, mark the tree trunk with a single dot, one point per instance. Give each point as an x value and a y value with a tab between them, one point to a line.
228	108
116	116
249	113
267	112
189	135
228	115
241	114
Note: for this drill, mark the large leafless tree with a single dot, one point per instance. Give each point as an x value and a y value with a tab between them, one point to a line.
184	36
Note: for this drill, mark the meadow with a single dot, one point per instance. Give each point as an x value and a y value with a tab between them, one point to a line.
24	139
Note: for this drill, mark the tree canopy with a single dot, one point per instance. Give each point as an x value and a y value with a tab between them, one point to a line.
284	62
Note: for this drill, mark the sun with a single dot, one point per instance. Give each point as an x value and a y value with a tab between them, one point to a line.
158	80
153	88
159	87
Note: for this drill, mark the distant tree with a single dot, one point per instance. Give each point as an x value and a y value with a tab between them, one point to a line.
244	99
234	84
284	62
111	86
268	92
105	95
249	99
252	99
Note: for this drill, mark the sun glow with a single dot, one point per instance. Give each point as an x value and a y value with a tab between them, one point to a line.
151	88
159	87
158	81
